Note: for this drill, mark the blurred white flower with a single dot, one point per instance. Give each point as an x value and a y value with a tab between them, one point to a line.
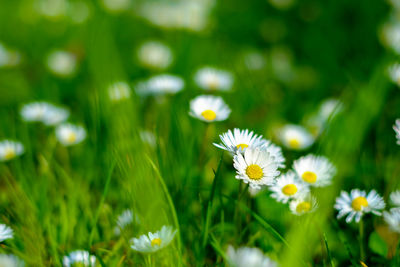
357	203
124	219
256	167
44	112
116	6
248	257
5	232
189	14
52	9
209	108
148	137
155	55
395	198
62	63
211	79
10	150
390	33
315	171
119	91
80	257
394	73
69	134
160	84
276	152
392	218
295	137
330	108
79	11
7	260
239	140
396	129
287	187
254	60
304	204
153	242
8	57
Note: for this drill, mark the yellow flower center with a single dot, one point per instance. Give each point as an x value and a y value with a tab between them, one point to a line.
213	83
303	207
156	241
242	146
294	143
358	203
71	138
289	189
309	177
9	154
209	115
254	172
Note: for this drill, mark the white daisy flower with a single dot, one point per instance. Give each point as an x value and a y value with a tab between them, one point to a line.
330	108
304	204
62	63
8	260
124	219
209	108
396	129
248	257
295	137
10	150
155	55
119	91
5	232
395	198
161	84
70	134
116	6
52	9
392	218
357	203
153	242
314	170
391	36
275	152
288	187
148	137
239	140
44	112
79	257
256	167
394	73
209	78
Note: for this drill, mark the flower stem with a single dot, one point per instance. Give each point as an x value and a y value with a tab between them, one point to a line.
361	240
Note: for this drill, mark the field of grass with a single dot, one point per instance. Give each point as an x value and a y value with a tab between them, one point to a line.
143	151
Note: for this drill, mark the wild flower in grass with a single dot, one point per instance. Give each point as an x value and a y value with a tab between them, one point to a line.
315	171
392	218
390	34
8	260
396	129
10	150
248	257
209	78
395	198
239	140
124	219
276	152
69	134
155	55
153	242
303	204
357	203
5	232
44	112
148	138
295	137
394	73
119	91
209	108
62	63
330	108
79	257
256	167
160	84
287	187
